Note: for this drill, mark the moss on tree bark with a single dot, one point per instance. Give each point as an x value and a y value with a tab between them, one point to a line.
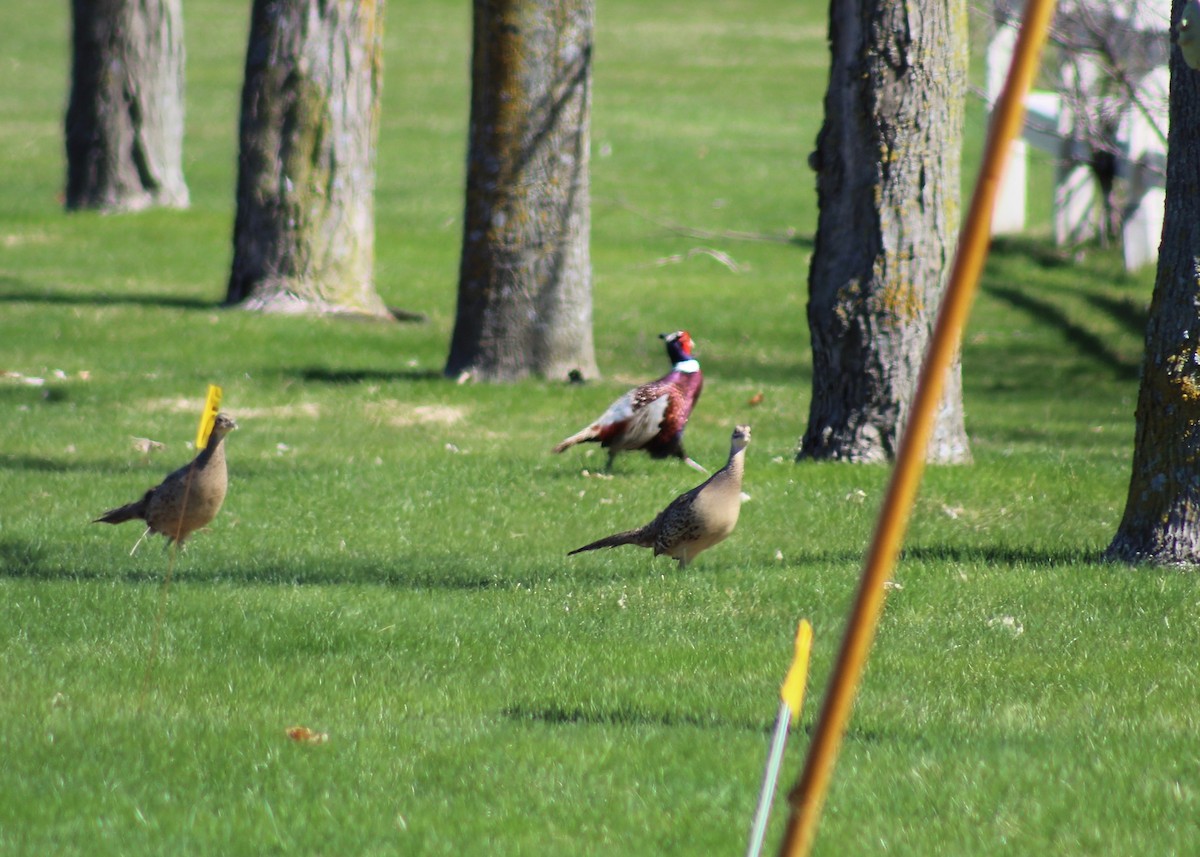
887	164
304	237
124	124
524	290
1161	522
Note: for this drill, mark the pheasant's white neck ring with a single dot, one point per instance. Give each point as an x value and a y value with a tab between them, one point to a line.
687	366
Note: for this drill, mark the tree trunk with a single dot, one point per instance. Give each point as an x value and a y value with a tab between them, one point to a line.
304	238
124	125
887	164
524	288
1161	523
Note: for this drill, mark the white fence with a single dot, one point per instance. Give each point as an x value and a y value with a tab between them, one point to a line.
1110	110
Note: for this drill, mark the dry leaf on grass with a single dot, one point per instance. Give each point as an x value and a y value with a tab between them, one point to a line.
304	735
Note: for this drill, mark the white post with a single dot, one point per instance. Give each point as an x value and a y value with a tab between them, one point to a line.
1146	164
1076	203
1009	214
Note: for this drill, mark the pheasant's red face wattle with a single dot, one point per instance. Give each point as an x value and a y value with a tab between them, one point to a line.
685	342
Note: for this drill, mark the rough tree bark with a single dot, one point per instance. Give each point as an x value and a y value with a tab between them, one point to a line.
124	124
887	164
1161	523
524	290
304	237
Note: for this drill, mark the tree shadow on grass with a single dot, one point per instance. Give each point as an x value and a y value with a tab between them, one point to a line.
48	394
41	464
29	560
621	713
1132	313
326	375
962	555
1004	555
1041	252
626	713
1092	345
420	569
629	714
13	290
28	295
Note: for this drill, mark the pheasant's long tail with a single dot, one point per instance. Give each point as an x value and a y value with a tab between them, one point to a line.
589	433
129	512
637	537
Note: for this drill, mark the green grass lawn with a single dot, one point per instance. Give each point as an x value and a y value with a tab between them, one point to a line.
390	568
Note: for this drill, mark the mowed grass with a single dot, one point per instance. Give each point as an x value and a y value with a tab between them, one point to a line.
390	564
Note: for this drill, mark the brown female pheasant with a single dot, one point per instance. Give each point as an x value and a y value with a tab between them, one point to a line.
653	416
187	499
696	520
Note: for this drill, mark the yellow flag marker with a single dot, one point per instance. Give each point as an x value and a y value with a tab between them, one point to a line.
791	700
792	692
212	406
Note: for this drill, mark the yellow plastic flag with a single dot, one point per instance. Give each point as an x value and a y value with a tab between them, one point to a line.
792	692
212	406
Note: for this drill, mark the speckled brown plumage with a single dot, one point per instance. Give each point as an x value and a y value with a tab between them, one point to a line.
187	499
696	520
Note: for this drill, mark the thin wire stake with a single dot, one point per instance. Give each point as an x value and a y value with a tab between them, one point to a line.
808	797
161	618
207	418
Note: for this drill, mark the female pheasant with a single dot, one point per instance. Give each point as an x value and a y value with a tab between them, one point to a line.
653	416
187	499
695	520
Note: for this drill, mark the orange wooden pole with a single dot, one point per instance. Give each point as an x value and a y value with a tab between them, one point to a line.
808	796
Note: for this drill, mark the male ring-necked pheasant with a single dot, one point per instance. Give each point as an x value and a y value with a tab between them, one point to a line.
187	499
696	520
653	416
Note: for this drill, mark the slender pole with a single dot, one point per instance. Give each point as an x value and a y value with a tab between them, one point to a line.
208	417
808	796
758	828
791	700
